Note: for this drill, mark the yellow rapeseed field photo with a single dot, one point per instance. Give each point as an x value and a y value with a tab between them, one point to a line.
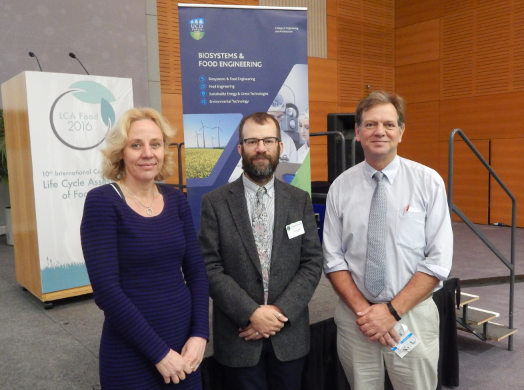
200	162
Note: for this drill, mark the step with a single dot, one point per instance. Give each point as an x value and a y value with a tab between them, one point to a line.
466	299
478	316
496	332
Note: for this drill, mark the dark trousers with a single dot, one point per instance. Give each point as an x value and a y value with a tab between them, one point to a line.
268	374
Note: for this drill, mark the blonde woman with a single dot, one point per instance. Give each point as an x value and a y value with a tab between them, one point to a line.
144	263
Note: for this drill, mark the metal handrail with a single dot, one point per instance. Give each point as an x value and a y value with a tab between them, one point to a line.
453	208
342	144
180	184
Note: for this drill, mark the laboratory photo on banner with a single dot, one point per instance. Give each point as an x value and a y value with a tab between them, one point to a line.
288	103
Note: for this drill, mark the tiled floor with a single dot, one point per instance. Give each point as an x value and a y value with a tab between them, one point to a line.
54	349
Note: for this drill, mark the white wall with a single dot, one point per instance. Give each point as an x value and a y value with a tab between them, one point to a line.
108	36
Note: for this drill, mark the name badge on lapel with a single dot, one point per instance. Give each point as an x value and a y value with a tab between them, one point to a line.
295	229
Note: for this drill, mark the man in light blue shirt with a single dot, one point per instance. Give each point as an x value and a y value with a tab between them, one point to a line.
418	251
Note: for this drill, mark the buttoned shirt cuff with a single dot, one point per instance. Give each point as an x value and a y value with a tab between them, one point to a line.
335	265
433	270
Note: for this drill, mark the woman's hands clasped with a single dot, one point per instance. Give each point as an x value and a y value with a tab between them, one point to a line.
193	351
174	366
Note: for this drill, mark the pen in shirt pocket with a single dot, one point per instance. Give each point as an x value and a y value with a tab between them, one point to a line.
407	208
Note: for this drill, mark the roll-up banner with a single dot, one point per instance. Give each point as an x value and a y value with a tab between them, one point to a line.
236	61
69	117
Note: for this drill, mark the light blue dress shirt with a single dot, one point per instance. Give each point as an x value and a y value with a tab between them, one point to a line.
419	236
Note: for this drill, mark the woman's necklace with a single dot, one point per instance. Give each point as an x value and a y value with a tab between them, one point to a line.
149	210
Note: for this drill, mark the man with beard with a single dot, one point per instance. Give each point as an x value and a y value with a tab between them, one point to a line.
263	257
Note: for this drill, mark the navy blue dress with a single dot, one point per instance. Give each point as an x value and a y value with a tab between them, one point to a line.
149	278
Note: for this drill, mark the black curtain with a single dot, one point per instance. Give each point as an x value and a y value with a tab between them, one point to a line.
447	299
322	370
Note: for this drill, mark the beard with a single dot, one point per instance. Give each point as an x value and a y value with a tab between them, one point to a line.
260	171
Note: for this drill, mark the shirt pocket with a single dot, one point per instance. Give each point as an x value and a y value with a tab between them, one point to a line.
411	232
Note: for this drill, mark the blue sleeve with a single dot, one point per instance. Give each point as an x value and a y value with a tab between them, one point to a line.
194	274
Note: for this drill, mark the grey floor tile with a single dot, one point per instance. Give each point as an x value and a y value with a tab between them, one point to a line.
75	308
489	365
15	304
42	352
81	318
472	259
86	331
6	285
8	273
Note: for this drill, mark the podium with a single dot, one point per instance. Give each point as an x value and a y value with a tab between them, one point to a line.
55	126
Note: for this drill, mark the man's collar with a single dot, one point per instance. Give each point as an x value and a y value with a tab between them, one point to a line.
270	185
390	170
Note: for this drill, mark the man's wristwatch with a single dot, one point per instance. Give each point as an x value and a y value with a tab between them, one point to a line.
393	311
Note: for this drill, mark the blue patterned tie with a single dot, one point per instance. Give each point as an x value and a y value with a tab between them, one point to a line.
260	232
376	251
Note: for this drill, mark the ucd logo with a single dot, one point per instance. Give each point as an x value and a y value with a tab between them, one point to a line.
197	28
81	117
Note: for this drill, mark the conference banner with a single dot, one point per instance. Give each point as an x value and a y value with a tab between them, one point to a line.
236	61
69	117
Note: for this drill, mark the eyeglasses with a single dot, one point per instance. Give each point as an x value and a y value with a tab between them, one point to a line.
269	142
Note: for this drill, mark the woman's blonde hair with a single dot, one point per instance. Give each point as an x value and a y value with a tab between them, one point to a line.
113	164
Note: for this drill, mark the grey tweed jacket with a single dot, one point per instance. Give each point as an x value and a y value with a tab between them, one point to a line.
235	277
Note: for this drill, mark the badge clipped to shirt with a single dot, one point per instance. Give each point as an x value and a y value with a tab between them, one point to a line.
295	229
407	342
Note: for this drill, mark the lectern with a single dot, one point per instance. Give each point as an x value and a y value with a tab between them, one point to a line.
55	126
